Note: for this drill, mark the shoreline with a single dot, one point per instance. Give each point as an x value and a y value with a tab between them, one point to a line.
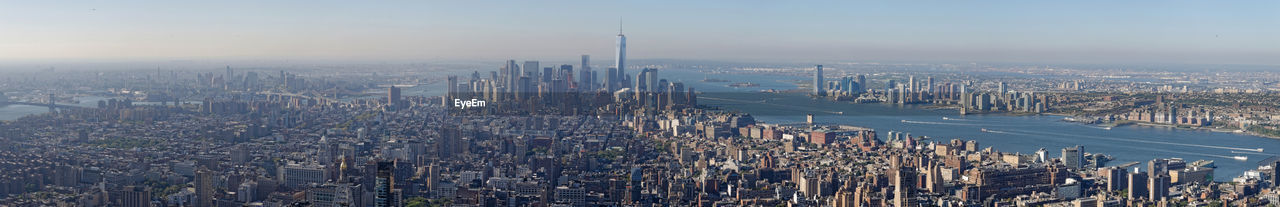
1112	124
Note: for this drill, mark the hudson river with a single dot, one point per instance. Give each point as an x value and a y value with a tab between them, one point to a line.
1006	133
1022	134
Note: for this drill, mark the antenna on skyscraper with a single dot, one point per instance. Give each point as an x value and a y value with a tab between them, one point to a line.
619	25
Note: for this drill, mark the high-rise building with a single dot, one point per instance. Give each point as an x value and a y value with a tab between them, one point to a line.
384	182
641	85
611	80
904	184
453	87
135	196
1073	157
512	74
1137	186
818	83
393	97
586	80
594	82
1158	167
530	68
204	187
1003	89
652	78
621	56
230	74
929	86
297	176
1114	177
566	73
548	74
1158	187
862	82
911	84
1275	174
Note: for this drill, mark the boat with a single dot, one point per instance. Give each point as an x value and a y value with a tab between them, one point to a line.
946	118
984	129
1240	158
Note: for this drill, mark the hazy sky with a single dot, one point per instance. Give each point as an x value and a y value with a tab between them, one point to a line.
1227	32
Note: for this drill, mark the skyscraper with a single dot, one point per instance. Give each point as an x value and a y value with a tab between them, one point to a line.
652	79
911	84
1158	186
393	97
384	194
1003	88
511	75
929	85
1275	170
585	79
204	187
904	183
641	82
566	73
1137	186
548	74
818	83
862	82
230	74
1073	157
611	79
453	87
621	57
530	69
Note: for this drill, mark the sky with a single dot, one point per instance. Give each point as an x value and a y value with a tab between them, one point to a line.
1199	32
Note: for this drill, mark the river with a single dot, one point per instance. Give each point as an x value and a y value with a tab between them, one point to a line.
1023	134
1006	133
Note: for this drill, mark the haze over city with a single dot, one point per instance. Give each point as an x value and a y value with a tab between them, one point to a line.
640	103
1143	32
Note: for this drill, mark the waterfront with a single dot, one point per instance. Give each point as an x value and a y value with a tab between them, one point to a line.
1006	133
1023	134
15	111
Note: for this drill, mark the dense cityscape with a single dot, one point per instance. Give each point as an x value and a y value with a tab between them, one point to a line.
549	129
520	136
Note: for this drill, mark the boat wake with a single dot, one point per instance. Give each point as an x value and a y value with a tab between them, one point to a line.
937	123
1145	141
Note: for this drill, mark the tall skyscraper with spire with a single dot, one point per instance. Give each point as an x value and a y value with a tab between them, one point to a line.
621	57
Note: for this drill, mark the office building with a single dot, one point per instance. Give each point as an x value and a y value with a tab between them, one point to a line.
1073	157
384	186
204	187
1137	186
620	59
818	83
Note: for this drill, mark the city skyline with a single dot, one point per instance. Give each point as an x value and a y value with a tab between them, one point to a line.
1080	32
323	104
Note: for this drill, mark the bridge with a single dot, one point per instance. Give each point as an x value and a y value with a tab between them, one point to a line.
41	104
299	96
